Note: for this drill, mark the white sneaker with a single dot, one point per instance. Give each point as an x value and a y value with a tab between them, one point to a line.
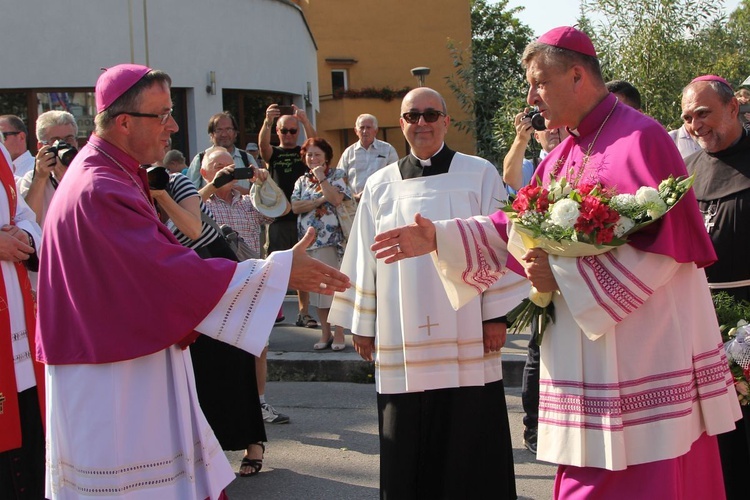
271	416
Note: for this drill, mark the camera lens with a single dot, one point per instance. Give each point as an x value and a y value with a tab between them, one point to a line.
158	178
66	156
64	152
537	120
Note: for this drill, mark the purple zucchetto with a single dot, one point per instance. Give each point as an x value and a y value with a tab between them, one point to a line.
711	78
567	37
115	81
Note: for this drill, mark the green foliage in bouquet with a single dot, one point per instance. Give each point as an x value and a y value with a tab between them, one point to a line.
729	312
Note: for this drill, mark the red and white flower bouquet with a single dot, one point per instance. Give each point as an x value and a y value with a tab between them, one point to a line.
577	221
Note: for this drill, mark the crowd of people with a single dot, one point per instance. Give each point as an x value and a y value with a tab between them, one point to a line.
137	331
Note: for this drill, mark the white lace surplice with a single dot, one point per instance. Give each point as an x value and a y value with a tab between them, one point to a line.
134	429
632	369
421	342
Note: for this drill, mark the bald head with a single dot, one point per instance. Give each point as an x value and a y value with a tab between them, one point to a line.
421	92
214	160
287	128
424	121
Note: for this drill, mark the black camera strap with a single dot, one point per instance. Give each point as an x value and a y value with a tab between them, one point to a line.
54	181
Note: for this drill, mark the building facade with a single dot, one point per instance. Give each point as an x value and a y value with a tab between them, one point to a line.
239	55
337	59
369	47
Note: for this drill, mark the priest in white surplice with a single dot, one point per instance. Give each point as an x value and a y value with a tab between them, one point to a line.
120	299
443	420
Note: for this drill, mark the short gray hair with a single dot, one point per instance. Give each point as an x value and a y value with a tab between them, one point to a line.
54	118
173	156
131	99
366	116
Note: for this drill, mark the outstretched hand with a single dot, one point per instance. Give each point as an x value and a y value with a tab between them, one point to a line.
406	241
311	275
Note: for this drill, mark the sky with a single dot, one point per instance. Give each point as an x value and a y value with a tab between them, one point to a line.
543	15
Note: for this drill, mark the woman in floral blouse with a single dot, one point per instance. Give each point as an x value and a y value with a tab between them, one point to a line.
315	196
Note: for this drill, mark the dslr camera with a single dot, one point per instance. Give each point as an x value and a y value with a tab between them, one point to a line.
537	120
63	151
158	178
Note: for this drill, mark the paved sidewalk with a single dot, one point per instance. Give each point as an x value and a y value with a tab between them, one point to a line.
291	356
330	449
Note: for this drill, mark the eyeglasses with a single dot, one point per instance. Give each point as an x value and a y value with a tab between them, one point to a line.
430	116
224	130
9	134
70	139
285	131
164	118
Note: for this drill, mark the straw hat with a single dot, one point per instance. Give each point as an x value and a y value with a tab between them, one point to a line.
269	199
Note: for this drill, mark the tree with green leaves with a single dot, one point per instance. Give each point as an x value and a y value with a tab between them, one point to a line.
488	80
730	44
658	46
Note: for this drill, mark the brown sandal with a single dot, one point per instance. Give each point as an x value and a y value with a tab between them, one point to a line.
306	320
256	464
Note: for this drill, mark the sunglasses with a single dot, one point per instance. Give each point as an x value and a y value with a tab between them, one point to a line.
285	131
9	134
430	116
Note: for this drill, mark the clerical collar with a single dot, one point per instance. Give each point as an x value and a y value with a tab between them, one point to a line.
428	161
592	121
411	166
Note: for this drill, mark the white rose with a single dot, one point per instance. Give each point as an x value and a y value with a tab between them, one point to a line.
565	213
647	194
623	202
649	198
623	225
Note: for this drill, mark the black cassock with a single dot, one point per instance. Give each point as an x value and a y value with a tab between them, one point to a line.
445	443
722	186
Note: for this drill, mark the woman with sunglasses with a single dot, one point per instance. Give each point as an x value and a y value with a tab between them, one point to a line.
315	197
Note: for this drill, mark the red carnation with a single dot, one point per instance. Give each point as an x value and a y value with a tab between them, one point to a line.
531	197
542	203
585	189
596	217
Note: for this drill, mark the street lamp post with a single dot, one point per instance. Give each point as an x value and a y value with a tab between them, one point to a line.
420	72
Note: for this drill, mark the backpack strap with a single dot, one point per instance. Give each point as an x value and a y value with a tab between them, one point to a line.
244	157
